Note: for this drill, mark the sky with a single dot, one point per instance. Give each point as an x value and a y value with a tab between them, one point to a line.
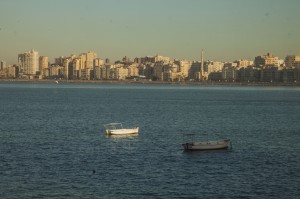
226	30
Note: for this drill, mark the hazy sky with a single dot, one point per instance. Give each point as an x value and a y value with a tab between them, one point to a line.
226	29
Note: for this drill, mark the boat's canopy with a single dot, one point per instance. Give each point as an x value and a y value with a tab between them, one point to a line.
112	126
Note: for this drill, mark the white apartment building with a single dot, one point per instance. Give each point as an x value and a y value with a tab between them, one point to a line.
29	63
213	66
133	70
184	67
243	63
117	72
98	62
89	60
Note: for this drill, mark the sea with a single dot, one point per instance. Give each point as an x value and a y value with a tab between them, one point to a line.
53	142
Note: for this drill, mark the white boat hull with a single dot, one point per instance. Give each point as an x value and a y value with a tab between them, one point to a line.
122	131
207	145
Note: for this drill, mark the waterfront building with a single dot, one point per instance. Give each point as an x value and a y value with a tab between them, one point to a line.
122	73
105	72
146	70
2	65
133	70
9	72
29	63
213	66
117	72
86	74
230	64
67	67
291	75
89	59
195	70
169	76
98	72
171	73
292	61
56	71
59	61
82	60
184	68
76	67
242	63
98	62
271	74
215	76
249	74
229	72
3	73
43	65
266	60
158	70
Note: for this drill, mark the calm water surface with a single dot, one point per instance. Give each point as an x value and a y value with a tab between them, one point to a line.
53	143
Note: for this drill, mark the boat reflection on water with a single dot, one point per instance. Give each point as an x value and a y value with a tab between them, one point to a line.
195	152
122	136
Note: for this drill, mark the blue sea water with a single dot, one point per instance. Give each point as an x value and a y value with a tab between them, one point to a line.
53	143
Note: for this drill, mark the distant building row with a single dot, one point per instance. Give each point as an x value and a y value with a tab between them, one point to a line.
87	66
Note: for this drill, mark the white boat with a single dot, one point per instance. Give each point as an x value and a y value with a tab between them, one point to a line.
207	145
117	129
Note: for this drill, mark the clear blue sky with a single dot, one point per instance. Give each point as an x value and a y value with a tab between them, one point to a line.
226	29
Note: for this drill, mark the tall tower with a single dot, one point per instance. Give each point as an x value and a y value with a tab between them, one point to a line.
43	64
202	65
2	65
66	65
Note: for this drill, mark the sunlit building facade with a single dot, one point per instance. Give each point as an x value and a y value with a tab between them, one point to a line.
44	65
266	60
29	62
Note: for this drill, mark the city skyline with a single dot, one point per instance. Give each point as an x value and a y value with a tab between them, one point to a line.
226	30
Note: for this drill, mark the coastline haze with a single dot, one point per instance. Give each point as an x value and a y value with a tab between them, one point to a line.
226	30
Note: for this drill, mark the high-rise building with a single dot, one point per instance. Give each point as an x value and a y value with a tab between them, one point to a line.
98	62
76	68
67	68
43	64
29	62
89	60
184	67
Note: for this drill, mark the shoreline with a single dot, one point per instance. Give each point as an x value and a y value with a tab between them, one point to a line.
145	82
